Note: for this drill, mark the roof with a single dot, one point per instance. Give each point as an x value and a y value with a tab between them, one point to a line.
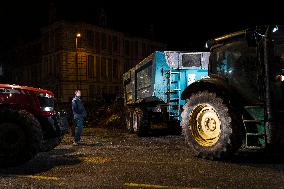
250	33
38	90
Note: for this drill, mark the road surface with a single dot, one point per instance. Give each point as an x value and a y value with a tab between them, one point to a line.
115	159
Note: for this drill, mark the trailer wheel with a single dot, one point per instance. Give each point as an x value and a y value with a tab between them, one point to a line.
209	126
140	122
20	137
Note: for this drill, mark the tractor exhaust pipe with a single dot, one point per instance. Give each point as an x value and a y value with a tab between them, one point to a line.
267	44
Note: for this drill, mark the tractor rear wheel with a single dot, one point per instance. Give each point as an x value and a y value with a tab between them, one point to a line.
209	126
20	137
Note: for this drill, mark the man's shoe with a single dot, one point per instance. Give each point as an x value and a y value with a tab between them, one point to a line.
79	142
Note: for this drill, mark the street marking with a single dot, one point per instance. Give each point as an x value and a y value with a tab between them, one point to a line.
95	160
102	160
155	162
156	186
33	177
145	185
40	177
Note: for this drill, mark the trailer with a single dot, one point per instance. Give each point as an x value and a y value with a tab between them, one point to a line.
152	89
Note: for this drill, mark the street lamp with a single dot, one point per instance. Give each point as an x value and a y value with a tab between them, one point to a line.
78	35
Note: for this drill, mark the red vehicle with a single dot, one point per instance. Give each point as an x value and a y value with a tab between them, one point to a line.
28	123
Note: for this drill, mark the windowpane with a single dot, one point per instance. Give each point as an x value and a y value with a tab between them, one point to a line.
103	68
91	68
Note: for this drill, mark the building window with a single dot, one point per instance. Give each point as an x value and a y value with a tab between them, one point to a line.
104	90
68	37
34	75
103	68
51	64
55	65
115	69
58	63
127	65
51	39
135	48
1	70
109	68
153	49
90	38
115	44
91	67
98	67
144	53
109	44
148	50
45	65
104	41
57	39
45	43
97	41
92	92
126	47
116	89
99	91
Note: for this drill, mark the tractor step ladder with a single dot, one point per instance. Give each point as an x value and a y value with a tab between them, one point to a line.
255	135
173	94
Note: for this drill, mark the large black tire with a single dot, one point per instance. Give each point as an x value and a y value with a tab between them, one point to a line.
20	137
50	144
62	126
210	126
140	122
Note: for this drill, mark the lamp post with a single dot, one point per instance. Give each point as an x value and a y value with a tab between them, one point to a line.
78	35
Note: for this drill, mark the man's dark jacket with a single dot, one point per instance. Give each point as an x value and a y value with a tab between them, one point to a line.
78	108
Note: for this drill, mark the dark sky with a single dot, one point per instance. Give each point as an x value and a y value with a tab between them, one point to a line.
183	25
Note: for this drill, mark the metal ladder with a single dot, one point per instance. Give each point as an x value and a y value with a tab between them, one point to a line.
254	128
173	94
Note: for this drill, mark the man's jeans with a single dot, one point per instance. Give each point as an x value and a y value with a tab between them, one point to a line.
78	129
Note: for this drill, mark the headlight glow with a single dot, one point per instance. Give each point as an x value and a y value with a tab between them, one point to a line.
47	109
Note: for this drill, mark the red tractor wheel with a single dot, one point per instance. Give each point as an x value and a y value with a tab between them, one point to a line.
20	137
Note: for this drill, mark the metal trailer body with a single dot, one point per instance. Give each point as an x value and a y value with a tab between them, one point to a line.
157	82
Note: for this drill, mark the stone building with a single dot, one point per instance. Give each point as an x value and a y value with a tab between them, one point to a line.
93	61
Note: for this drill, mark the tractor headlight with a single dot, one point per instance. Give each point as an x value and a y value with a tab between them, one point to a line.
275	29
47	109
45	95
279	78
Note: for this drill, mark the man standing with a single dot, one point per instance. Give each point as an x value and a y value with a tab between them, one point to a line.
80	114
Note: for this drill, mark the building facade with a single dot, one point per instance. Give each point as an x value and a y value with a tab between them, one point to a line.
93	62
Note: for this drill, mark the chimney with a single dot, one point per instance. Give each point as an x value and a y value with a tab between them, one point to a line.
51	12
150	31
102	17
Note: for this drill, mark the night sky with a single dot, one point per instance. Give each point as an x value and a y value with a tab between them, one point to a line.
183	25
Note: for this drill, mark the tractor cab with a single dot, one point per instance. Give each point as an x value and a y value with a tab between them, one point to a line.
241	104
251	63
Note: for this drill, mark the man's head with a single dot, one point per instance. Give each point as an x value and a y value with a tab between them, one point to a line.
78	93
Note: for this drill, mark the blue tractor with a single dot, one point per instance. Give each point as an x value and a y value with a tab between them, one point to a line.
153	88
240	105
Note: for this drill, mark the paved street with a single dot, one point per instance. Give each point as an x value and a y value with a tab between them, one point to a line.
115	159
